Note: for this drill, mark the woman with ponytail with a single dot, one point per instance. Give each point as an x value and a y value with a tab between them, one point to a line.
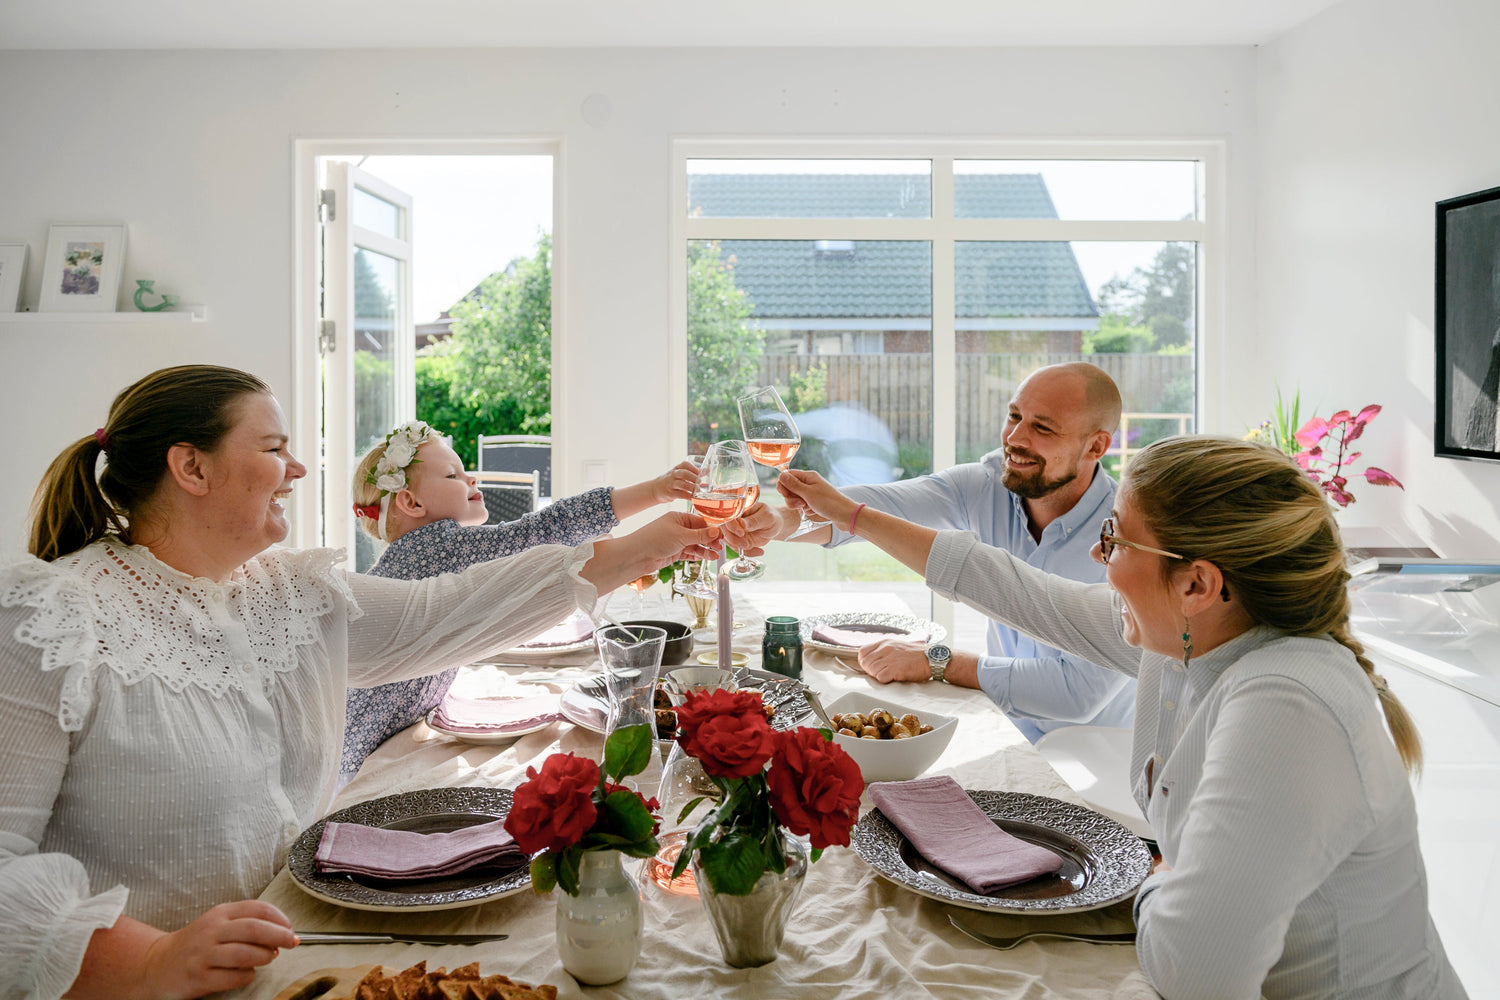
172	685
1269	756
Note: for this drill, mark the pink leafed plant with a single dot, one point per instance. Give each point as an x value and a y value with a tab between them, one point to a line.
1326	454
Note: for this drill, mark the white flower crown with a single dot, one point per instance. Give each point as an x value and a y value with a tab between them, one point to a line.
389	474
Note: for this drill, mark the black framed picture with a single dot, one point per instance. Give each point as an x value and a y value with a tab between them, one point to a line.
1466	326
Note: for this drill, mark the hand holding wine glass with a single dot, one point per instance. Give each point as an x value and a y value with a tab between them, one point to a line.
772	437
726	483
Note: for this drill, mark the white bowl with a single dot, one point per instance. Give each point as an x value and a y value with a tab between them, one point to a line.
893	760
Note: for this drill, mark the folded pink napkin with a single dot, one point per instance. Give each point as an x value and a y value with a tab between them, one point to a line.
576	628
495	715
944	824
856	637
402	854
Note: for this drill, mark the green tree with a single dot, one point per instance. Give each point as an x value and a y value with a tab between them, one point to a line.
1116	336
724	347
1159	297
499	360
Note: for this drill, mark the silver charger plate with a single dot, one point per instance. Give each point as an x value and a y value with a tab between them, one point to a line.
431	810
586	703
882	623
1103	863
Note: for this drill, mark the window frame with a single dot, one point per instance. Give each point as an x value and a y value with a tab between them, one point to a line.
943	231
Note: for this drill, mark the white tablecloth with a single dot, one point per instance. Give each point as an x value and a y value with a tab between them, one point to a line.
854	934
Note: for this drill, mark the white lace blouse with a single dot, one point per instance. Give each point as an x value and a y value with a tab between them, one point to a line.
166	737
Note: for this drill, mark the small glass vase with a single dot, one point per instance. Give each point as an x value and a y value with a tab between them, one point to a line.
750	928
599	930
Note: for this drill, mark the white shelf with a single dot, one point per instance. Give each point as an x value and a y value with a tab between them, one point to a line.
181	314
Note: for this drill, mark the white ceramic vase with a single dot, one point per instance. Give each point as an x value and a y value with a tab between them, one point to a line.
599	930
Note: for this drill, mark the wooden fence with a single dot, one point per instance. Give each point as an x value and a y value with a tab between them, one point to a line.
898	389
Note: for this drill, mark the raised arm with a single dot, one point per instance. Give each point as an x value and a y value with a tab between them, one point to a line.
1074	617
677	483
907	542
411	628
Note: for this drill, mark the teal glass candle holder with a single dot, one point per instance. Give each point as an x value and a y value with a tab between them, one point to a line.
781	649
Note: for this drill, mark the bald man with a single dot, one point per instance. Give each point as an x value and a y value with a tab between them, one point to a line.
1041	496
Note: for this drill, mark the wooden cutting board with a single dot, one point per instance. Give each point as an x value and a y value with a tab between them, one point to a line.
330	983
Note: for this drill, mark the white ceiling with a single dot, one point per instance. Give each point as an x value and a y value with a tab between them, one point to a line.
341	24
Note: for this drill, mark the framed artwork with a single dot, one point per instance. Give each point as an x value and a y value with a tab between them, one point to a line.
12	273
1466	326
81	272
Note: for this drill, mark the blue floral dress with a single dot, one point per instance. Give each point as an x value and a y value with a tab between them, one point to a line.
375	714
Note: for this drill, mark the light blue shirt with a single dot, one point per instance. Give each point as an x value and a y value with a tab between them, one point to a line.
1038	687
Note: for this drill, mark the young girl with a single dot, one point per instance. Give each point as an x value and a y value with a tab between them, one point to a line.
411	490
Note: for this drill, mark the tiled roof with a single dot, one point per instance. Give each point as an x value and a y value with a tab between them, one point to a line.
890	278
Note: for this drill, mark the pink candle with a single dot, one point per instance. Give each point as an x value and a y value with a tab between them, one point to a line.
726	621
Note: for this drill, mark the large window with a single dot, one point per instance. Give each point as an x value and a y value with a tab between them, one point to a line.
897	300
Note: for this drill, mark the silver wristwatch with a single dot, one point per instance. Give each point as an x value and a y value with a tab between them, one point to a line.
938	656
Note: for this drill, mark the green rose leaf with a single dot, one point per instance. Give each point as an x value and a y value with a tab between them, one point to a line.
733	864
567	869
627	816
628	751
543	872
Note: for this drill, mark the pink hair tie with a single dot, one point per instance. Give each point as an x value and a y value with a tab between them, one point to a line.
854	517
103	439
372	511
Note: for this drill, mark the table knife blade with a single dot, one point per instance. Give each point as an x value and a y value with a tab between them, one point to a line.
350	937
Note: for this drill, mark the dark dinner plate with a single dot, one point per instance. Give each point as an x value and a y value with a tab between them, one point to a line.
1103	862
432	810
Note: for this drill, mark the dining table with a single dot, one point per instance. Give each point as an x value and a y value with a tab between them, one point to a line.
854	933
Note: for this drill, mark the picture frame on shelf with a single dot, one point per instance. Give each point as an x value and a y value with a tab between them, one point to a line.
1466	327
12	275
81	270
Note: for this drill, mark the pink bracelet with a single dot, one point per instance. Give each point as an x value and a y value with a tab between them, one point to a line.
853	516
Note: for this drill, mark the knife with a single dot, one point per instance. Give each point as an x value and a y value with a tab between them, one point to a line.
348	937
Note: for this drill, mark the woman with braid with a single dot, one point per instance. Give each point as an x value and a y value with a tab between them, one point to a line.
1270	758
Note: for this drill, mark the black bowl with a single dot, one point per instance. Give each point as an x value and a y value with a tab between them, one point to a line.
679	641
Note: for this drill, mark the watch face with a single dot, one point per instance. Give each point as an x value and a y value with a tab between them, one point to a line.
938	654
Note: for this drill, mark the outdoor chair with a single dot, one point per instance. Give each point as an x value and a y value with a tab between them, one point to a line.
518	453
507	495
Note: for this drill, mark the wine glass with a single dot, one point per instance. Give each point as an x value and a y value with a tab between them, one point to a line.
691	583
772	438
638	601
726	482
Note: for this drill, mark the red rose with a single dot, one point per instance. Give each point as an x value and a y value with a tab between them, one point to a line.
815	787
727	731
555	808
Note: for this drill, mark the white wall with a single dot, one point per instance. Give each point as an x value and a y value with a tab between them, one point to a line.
194	152
1369	114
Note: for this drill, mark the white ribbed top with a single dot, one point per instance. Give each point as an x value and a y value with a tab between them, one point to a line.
166	737
1277	797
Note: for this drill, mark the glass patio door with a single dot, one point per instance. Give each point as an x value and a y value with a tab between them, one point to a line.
368	340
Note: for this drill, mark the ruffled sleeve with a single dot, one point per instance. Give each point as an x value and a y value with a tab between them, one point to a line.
47	922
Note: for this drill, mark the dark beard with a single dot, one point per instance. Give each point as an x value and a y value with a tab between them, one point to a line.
1035	485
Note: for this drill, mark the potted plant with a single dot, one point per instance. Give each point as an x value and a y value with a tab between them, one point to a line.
1323	447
